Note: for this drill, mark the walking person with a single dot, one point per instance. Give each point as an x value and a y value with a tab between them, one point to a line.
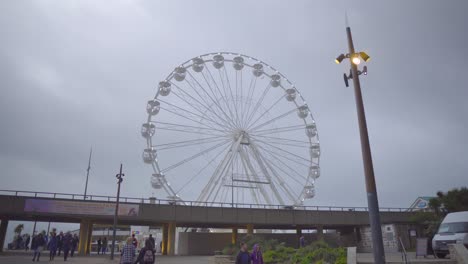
99	244
151	239
26	244
134	241
53	246
38	244
60	243
243	257
104	246
302	242
256	256
74	244
67	244
128	252
147	254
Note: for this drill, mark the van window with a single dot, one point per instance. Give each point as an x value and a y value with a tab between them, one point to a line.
460	227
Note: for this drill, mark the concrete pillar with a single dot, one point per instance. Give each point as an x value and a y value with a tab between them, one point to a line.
250	229
3	231
164	238
86	229
171	236
234	236
320	232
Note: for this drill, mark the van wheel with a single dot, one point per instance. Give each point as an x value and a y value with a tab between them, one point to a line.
441	255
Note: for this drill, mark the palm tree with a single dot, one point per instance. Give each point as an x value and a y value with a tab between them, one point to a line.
18	229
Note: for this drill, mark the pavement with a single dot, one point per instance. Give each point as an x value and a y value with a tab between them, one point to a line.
23	258
397	258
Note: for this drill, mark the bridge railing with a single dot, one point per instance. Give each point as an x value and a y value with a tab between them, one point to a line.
104	198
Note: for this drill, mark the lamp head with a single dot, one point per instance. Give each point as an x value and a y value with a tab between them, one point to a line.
364	56
340	58
356	60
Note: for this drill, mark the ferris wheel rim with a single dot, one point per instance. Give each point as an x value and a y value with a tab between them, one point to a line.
189	63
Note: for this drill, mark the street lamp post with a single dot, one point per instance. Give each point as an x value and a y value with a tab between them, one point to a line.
372	201
119	181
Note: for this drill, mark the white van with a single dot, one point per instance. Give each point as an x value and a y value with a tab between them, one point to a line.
453	229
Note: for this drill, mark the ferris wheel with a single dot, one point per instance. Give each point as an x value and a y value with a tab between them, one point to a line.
226	127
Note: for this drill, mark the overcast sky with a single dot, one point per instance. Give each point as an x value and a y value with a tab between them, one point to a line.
76	74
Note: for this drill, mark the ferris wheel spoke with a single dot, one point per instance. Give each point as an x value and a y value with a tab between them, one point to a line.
205	104
283	139
183	116
223	95
234	99
228	120
202	169
182	130
271	151
282	184
246	171
267	111
257	156
245	156
253	81
229	94
219	172
207	110
283	150
272	120
276	129
287	173
183	96
194	156
188	127
187	143
280	160
286	143
258	104
192	114
213	101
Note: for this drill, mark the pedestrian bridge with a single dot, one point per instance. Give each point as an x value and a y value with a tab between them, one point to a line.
74	208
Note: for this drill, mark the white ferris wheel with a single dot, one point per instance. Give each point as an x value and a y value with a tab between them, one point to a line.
226	127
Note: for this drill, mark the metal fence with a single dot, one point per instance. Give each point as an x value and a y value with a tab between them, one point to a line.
104	198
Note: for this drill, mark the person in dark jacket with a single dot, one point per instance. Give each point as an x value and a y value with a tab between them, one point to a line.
67	244
151	239
243	257
74	244
52	246
147	254
104	245
26	244
99	244
38	244
59	243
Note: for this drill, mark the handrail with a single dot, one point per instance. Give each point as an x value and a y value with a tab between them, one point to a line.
404	255
104	198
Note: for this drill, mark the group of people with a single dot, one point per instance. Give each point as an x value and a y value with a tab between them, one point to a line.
66	242
146	255
244	257
102	246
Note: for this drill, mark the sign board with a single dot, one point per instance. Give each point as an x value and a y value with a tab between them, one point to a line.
79	208
412	233
421	247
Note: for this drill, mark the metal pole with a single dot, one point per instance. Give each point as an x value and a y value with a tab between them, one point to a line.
34	229
372	201
120	179
87	174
